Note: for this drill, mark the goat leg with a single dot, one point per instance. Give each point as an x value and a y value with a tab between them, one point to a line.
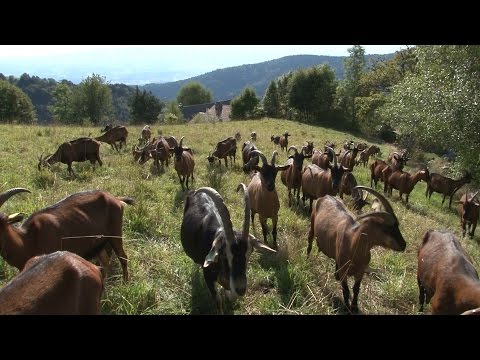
274	230
263	222
346	293
356	290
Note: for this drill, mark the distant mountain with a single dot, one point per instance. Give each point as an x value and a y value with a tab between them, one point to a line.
229	82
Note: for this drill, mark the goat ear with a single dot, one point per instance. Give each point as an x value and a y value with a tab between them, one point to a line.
14	218
212	256
261	247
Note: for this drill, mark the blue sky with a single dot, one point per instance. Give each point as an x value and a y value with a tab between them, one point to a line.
151	62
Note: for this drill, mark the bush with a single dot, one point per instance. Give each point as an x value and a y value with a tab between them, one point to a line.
387	133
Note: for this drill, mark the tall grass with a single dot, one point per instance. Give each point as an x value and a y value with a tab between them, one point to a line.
163	279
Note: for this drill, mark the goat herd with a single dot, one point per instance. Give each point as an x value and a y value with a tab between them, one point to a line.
63	282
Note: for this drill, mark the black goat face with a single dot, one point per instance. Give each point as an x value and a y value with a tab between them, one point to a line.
178	153
268	174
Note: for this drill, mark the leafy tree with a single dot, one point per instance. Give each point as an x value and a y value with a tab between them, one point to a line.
282	89
95	98
144	107
438	102
271	101
354	66
312	92
172	114
15	105
244	105
62	108
193	93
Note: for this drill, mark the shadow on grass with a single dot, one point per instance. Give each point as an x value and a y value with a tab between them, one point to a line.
202	301
279	264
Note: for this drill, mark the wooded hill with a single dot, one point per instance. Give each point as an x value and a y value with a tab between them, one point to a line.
229	82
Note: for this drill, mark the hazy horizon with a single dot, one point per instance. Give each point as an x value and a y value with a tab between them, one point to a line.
142	64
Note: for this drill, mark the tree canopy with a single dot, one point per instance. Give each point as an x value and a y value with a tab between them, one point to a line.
193	93
15	105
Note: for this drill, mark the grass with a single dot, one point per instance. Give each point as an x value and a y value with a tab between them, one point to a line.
163	279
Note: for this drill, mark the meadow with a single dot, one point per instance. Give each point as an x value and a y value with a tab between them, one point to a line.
163	280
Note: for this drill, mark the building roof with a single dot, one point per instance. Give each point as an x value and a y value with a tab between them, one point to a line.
191	110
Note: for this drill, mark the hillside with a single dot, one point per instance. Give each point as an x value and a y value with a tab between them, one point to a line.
229	82
164	280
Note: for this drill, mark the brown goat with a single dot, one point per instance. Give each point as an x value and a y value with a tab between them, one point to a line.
184	163
322	159
263	195
83	223
376	173
317	182
78	150
284	141
404	182
446	276
60	283
348	239
468	211
253	136
145	135
157	149
224	149
446	186
112	136
292	177
348	186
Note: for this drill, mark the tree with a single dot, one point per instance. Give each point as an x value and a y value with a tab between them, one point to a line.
95	98
193	93
244	105
172	114
354	66
271	101
15	105
62	108
144	107
438	102
312	92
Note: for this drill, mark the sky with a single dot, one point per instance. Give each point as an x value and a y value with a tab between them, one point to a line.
151	63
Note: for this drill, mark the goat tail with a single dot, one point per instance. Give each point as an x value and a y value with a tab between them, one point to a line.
126	199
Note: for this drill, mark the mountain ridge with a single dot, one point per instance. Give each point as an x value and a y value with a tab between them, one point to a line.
227	83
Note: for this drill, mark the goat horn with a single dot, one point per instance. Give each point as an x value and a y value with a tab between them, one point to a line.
329	149
246	218
274	154
294	148
380	197
7	194
222	210
473	197
262	156
180	143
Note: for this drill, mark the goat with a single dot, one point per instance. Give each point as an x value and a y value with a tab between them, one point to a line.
365	154
347	186
59	283
224	149
112	136
322	159
208	238
446	186
292	177
376	169
250	160
397	162
468	211
184	163
446	276
263	195
145	135
275	139
158	149
83	223
284	141
253	136
405	182
348	159
78	150
308	149
238	136
317	182
348	239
